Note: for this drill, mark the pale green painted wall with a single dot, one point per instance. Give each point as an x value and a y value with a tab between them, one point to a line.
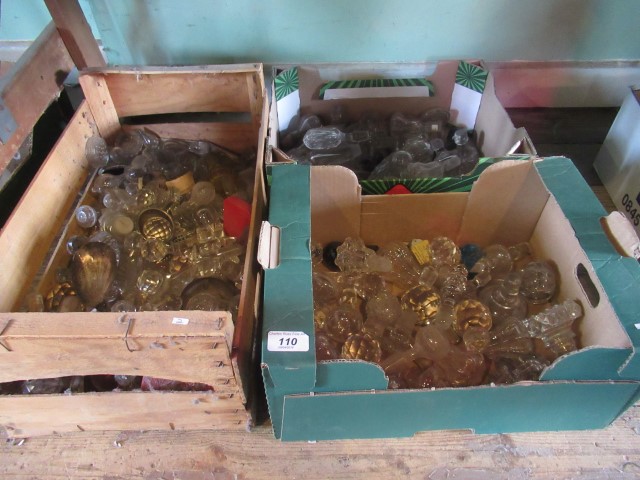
25	19
219	31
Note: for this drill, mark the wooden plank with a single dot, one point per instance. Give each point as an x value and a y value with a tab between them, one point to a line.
244	341
257	96
612	453
76	33
36	220
99	98
175	91
47	345
26	415
31	85
237	137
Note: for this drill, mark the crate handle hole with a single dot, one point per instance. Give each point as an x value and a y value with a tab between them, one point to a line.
587	285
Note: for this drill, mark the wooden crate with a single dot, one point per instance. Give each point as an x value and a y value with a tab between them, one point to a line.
209	349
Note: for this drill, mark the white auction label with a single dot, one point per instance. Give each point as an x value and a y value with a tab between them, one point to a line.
280	341
180	321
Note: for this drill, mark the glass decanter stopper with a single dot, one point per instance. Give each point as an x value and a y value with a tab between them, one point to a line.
325	289
435	122
403	264
362	346
509	368
402	126
326	349
504	299
444	251
74	243
430	343
424	170
341	322
422	300
393	166
352	255
203	193
86	216
323	138
419	148
471	313
465	150
497	261
553	327
368	284
96	151
463	368
476	339
150	282
538	282
382	311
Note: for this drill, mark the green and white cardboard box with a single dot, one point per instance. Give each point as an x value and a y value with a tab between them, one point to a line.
545	202
464	88
618	161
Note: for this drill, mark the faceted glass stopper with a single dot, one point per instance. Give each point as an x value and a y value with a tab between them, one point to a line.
96	151
422	300
471	313
538	282
323	138
325	348
156	224
352	255
362	346
444	251
342	322
203	193
150	281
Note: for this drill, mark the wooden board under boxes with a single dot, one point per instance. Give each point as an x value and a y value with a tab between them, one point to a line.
209	349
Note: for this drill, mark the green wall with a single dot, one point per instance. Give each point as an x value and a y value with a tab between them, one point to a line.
220	31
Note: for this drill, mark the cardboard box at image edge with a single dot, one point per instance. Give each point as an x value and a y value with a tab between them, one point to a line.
187	346
465	88
546	203
618	161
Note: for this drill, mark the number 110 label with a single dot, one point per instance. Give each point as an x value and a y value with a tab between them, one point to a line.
281	341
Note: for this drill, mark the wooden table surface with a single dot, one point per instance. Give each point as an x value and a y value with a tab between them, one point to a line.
612	453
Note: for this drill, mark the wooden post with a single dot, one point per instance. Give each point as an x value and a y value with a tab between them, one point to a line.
76	33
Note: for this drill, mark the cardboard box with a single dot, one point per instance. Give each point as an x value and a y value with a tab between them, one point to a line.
466	89
544	202
618	161
188	346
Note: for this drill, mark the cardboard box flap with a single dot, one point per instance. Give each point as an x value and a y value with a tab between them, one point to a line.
618	276
454	85
507	408
498	135
287	315
522	198
336	195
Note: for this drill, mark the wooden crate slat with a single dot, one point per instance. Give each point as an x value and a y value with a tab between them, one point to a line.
99	98
36	220
24	416
76	33
115	325
236	137
31	85
142	93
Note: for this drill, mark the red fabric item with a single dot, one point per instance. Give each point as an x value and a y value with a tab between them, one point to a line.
397	190
236	216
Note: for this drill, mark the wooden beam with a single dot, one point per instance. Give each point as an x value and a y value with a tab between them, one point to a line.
76	33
